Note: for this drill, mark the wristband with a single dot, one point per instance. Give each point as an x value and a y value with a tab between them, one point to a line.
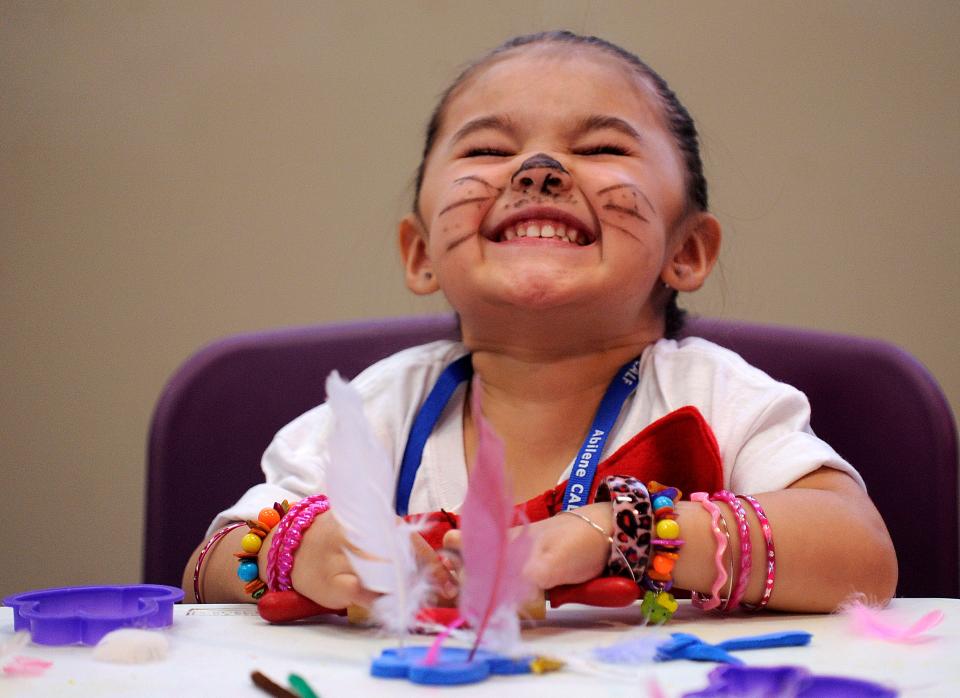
725	598
658	604
713	600
248	570
771	554
746	559
288	537
214	539
632	524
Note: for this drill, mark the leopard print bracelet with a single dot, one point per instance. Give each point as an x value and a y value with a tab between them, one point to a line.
632	523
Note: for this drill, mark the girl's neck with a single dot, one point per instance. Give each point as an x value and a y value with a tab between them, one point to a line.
543	378
541	404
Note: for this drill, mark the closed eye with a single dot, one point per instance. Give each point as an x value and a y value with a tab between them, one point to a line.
607	149
487	152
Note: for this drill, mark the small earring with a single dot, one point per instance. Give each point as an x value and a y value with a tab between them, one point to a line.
427	275
666	285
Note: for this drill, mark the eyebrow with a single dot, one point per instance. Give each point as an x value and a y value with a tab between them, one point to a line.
599	122
494	122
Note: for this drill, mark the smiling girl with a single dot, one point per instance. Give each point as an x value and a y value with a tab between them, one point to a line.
560	207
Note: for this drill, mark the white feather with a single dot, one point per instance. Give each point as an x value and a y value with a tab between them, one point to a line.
360	485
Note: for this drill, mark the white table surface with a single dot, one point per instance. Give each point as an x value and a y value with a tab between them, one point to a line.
214	648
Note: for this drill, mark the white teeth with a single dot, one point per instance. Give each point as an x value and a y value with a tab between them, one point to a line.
549	230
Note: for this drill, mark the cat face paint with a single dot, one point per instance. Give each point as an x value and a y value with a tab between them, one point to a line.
553	180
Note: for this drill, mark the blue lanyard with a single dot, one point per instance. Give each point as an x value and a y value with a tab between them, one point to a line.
585	464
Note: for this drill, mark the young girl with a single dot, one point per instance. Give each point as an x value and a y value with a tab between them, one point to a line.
560	207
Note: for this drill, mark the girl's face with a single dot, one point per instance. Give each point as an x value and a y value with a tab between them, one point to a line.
553	183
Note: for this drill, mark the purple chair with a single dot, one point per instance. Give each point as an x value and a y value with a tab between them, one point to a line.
876	404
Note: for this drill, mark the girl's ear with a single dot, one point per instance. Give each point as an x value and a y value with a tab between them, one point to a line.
694	252
419	274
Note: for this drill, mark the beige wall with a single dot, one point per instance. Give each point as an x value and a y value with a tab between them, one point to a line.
171	172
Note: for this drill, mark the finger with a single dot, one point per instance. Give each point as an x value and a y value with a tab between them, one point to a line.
438	572
346	588
451	539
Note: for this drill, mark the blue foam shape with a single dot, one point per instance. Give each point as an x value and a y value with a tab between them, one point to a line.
451	668
449	673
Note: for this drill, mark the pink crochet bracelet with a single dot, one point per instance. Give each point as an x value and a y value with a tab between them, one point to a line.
746	558
713	600
214	539
287	538
771	553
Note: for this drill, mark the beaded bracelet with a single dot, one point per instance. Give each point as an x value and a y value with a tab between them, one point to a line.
658	604
713	600
214	539
771	554
746	559
248	570
288	537
632	525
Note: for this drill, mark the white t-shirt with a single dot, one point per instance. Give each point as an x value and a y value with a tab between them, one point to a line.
762	426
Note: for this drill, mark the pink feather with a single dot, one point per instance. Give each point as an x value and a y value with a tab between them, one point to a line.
869	621
493	558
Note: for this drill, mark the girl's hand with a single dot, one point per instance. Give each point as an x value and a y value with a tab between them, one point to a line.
323	573
566	549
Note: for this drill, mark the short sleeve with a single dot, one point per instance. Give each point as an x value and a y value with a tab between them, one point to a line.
762	425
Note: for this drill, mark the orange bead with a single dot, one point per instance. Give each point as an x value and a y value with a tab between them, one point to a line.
269	517
663	564
657	576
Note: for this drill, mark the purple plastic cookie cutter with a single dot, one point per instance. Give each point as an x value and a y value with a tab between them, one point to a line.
83	615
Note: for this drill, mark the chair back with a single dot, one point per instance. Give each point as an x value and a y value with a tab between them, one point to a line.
874	403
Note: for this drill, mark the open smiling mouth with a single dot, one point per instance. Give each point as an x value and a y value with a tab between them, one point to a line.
557	229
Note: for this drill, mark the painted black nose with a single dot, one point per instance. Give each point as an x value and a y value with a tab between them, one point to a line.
542	174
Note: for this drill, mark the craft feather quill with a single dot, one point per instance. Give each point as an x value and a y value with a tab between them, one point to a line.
360	487
493	559
872	622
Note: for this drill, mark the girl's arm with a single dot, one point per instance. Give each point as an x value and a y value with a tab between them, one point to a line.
218	577
322	570
830	543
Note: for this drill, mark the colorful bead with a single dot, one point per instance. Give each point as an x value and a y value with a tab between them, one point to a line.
257	529
663	564
269	517
248	571
658	604
667	528
251	543
661	502
658	607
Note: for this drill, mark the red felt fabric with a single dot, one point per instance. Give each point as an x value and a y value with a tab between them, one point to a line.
678	449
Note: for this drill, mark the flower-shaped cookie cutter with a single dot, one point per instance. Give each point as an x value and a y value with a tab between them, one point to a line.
83	615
